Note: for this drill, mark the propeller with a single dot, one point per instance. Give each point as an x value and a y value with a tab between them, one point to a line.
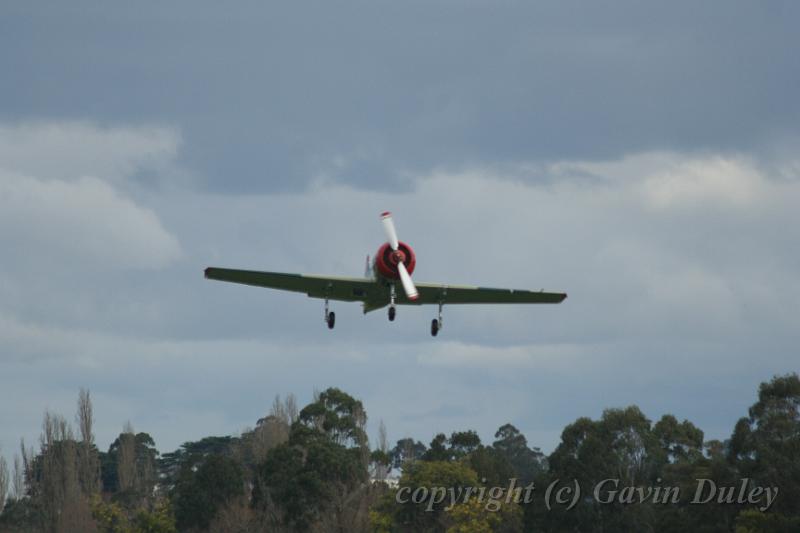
394	244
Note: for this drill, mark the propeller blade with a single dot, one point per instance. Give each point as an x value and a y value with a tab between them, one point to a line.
388	226
408	285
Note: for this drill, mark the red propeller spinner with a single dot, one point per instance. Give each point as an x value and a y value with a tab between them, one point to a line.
396	259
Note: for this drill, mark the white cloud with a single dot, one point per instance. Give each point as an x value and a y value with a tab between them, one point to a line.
72	149
60	201
660	279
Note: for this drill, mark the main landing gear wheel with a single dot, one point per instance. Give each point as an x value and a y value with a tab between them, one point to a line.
331	319
434	327
392	313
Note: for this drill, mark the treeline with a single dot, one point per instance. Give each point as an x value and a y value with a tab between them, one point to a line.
313	469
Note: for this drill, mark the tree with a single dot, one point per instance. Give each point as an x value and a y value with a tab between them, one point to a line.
3	482
192	454
425	513
407	450
88	460
52	478
18	479
477	517
200	493
513	445
492	467
126	459
319	476
679	442
463	443
111	517
380	458
765	445
129	467
620	446
339	415
437	451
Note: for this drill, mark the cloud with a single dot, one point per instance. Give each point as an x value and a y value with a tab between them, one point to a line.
70	150
61	203
373	95
664	304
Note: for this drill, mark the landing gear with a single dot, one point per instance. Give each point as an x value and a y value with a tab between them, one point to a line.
330	316
437	323
392	297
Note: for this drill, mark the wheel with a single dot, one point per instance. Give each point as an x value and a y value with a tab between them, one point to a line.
434	327
392	313
331	319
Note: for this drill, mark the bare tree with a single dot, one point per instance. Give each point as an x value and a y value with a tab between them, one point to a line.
18	479
55	485
85	416
382	470
3	482
279	410
88	460
27	463
126	458
292	411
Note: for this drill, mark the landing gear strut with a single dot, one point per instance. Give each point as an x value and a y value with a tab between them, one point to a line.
437	323
392	297
330	316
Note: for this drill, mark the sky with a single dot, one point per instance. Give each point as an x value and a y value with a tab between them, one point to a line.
641	158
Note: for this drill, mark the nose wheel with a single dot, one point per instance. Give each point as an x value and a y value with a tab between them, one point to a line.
392	298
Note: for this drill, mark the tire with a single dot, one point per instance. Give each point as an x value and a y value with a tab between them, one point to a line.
392	313
331	319
434	327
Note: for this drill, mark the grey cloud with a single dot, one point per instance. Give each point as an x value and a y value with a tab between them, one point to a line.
649	248
270	96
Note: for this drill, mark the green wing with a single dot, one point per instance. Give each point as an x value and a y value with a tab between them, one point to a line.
334	288
431	293
375	294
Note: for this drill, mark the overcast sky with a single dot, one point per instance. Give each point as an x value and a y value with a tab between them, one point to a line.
642	158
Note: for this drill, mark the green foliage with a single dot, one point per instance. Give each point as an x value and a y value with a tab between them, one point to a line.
753	521
474	517
199	493
463	443
191	454
492	467
339	415
146	456
111	517
302	476
407	450
425	475
324	461
527	463
679	442
313	476
766	445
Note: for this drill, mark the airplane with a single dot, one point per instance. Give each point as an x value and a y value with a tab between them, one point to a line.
394	261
